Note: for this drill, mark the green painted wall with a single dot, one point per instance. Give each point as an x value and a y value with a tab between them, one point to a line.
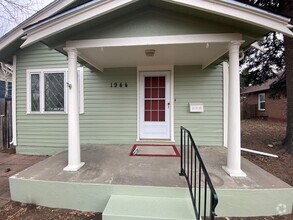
199	86
148	21
110	114
38	134
152	22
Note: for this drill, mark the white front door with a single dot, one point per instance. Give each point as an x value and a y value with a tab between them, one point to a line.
154	105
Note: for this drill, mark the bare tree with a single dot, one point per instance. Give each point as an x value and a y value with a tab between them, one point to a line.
13	12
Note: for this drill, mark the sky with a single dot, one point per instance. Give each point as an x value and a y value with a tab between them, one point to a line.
13	12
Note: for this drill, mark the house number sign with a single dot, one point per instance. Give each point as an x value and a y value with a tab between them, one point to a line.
119	84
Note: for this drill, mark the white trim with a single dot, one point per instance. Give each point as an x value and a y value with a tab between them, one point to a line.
155	40
137	103
225	93
169	68
81	89
14	124
73	19
258	101
240	13
41	73
17	32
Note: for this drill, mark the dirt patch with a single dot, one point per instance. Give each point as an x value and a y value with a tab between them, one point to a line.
267	136
19	211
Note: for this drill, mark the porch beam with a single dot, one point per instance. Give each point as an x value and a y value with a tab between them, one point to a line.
90	61
155	40
233	167
213	58
74	163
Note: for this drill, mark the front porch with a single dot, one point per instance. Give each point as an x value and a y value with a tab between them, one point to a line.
110	171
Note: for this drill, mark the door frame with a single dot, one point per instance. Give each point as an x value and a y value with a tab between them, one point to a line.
169	68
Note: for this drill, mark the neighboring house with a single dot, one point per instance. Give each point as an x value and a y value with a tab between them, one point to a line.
122	72
5	81
256	102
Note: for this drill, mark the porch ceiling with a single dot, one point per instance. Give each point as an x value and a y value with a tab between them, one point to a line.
128	56
202	54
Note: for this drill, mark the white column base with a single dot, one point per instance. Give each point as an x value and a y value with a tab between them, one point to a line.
73	167
234	173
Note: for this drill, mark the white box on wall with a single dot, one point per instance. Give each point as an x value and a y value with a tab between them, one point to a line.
196	107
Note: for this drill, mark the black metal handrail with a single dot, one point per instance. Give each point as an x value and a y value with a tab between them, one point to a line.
192	167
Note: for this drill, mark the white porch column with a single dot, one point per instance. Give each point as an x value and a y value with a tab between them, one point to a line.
73	114
233	167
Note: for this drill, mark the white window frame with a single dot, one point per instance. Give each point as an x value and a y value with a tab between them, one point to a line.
259	101
41	73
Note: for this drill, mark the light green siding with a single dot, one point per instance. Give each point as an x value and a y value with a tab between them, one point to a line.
38	134
110	114
199	86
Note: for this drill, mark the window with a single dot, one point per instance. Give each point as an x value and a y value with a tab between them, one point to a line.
261	102
47	90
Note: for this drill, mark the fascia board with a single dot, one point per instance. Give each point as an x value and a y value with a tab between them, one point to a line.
73	19
255	17
155	40
17	32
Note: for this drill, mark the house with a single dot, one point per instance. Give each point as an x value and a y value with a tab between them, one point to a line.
118	73
257	102
5	81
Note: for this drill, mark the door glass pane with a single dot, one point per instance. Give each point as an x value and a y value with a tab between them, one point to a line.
162	105
155	82
35	92
54	91
147	115
155	105
162	116
147	105
154	98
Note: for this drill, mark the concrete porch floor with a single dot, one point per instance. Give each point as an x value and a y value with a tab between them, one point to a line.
110	170
111	164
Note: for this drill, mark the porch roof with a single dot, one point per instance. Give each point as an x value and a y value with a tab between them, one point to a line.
228	9
255	21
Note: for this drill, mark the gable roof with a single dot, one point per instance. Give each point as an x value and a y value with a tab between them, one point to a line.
258	88
265	86
48	22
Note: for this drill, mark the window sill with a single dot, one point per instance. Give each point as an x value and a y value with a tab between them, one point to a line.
50	113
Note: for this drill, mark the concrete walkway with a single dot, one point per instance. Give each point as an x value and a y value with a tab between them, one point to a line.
11	164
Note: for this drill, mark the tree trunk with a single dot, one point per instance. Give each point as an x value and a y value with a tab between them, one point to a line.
288	142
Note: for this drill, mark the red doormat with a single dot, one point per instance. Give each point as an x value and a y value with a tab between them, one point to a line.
154	150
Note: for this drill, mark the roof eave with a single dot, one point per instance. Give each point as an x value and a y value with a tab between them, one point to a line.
243	13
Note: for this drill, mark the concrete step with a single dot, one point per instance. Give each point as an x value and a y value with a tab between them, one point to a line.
122	207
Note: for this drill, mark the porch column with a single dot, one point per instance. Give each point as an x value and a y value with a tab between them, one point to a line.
73	114
233	167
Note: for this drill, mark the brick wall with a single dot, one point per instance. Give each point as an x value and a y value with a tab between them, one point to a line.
276	109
